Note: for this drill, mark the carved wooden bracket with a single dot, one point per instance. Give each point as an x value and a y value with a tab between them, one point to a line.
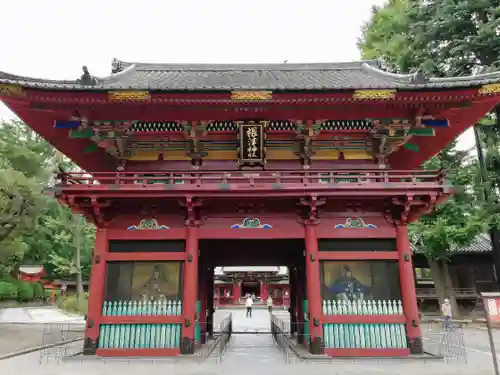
99	214
195	134
398	209
306	135
404	210
75	207
429	206
192	206
310	217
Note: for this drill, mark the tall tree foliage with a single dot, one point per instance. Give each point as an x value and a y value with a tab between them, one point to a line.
34	228
443	38
453	224
21	185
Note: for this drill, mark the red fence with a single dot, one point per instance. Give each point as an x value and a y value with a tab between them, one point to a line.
242	179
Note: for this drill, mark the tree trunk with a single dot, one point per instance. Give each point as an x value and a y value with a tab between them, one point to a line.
448	287
437	276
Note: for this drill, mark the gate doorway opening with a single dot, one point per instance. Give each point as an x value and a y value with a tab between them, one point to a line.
260	267
250	288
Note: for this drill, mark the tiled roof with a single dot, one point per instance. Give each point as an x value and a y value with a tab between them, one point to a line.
481	244
30	269
275	77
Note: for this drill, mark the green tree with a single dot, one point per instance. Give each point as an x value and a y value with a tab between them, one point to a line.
23	150
51	243
76	239
21	198
453	224
33	227
444	38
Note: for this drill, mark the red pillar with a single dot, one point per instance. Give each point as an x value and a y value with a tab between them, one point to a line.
408	294
293	300
236	292
96	292
203	285
313	289
285	292
216	297
263	290
190	290
299	281
210	302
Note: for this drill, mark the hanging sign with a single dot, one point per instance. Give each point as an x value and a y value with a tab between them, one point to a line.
492	306
251	143
491	303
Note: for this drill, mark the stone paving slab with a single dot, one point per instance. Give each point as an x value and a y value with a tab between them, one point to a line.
241	359
257	354
27	315
16	337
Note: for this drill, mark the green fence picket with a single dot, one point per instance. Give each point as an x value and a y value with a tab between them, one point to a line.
140	335
363	335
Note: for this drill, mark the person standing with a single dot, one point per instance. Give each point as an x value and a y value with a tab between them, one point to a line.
269	304
64	288
248	305
447	314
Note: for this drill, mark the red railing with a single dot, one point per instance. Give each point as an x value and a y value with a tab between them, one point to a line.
255	178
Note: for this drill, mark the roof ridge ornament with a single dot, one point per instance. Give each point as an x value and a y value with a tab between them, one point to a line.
87	79
418	77
116	66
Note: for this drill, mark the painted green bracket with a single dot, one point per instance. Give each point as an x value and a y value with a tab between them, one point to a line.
411	147
423	132
81	134
91	148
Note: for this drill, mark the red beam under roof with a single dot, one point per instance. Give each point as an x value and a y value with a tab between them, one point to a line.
96	105
460	119
43	124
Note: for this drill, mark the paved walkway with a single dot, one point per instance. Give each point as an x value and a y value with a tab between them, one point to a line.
36	315
22	328
256	354
259	322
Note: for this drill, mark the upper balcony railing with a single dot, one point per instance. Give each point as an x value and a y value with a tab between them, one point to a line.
320	180
431	293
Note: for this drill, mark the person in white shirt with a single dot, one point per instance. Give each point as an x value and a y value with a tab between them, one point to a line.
248	305
447	314
269	303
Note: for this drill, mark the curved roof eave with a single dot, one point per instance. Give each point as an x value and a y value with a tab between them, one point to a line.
437	82
42	83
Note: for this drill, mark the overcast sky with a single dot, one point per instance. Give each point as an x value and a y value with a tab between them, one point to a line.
55	38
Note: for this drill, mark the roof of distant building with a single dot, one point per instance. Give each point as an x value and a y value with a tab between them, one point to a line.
31	269
481	244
